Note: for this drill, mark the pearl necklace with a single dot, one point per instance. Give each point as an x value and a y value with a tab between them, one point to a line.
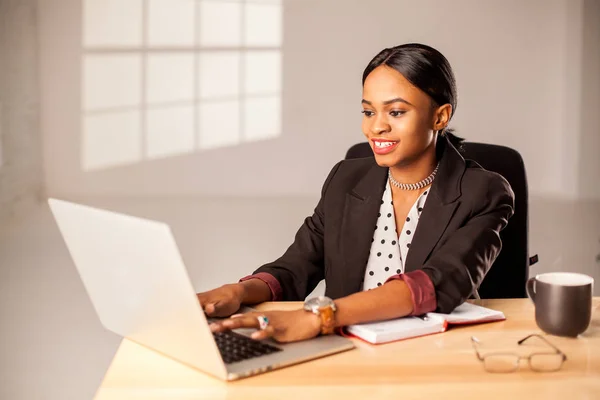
413	186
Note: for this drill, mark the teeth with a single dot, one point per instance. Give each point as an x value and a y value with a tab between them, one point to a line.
384	144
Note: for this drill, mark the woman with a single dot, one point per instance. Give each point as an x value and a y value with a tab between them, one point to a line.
411	231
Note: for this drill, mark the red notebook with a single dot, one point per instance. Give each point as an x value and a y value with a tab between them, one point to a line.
408	327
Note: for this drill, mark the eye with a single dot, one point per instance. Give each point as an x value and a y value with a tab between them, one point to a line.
396	113
367	113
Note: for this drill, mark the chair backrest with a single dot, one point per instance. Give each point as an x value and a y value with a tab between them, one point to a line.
509	273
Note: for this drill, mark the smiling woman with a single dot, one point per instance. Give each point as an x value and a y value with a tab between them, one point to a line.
417	194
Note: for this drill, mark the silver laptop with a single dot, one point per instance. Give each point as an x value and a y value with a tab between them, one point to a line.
140	288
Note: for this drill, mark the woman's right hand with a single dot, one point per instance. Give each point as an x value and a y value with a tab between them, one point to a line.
223	301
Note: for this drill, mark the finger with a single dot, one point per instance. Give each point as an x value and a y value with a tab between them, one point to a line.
266	333
249	320
217	309
221	326
209	309
216	327
249	315
245	321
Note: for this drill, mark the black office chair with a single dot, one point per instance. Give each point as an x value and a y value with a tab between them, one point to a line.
509	273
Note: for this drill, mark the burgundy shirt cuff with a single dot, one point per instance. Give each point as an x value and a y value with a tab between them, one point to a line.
421	289
271	282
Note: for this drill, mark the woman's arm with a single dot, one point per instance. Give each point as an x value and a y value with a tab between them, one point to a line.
392	300
254	291
227	299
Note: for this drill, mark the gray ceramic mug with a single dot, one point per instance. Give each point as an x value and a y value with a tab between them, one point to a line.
563	302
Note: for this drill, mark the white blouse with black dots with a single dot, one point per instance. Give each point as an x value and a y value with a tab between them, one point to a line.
388	251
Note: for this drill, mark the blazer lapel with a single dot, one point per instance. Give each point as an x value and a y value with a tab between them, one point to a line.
358	224
439	208
433	222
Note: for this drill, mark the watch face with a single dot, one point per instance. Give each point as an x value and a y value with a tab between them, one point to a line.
318	302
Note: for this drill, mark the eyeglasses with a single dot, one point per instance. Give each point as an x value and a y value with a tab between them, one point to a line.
547	361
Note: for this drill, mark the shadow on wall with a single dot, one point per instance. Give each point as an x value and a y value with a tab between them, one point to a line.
163	78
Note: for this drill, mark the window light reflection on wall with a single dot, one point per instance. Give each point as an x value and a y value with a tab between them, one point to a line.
163	78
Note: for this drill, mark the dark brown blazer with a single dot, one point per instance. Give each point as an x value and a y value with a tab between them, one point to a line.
456	241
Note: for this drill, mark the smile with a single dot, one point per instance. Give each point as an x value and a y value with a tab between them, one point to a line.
383	146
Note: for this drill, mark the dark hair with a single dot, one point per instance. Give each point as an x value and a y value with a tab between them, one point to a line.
427	69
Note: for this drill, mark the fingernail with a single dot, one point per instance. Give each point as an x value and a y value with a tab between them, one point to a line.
255	335
213	327
227	322
236	315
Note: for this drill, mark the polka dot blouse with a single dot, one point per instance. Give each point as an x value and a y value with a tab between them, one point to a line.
388	249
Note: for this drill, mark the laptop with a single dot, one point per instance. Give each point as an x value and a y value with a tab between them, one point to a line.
138	284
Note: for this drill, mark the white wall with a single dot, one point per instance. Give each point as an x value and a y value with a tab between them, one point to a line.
1	134
20	140
519	66
589	143
528	76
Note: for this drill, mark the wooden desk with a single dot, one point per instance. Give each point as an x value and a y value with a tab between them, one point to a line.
436	366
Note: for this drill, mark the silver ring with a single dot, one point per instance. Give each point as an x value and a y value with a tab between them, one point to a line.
263	322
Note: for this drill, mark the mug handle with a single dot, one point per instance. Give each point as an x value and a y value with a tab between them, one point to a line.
531	289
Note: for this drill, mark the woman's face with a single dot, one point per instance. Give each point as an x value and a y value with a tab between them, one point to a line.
399	119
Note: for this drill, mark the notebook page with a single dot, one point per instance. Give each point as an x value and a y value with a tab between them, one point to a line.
470	313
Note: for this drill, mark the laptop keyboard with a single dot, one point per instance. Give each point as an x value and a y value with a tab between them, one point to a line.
235	347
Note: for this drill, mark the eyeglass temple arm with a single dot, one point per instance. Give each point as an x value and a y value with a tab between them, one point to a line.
545	340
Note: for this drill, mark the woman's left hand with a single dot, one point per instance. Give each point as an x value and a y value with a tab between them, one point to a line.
283	326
